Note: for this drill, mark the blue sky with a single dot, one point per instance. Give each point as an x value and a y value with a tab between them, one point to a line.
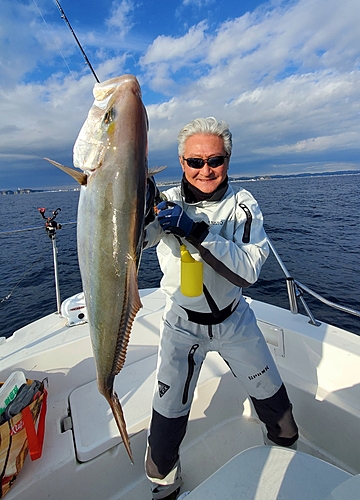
284	74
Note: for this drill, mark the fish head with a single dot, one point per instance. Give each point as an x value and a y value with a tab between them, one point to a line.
116	119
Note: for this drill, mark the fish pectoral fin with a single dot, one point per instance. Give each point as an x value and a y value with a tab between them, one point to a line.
156	170
131	306
80	177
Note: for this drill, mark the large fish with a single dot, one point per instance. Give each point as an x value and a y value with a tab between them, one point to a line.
111	151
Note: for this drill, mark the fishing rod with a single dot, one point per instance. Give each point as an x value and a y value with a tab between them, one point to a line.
63	15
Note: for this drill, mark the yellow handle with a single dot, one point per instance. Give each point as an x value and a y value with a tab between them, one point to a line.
191	280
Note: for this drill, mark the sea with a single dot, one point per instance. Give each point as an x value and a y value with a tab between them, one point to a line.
313	222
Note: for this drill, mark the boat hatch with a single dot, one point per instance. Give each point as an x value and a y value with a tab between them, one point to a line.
274	336
94	427
271	472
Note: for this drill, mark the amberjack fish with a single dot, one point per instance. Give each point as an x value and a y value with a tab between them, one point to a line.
111	151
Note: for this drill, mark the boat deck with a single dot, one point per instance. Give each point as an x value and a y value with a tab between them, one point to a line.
81	440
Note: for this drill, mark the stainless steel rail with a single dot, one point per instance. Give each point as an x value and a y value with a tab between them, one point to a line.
295	291
55	252
322	299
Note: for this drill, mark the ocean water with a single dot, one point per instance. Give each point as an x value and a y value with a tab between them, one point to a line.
314	223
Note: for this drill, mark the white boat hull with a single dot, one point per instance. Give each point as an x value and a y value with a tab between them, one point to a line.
83	455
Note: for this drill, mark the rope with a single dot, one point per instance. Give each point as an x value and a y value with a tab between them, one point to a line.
18	283
11	231
57	45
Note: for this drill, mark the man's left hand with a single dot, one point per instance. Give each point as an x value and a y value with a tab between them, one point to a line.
173	219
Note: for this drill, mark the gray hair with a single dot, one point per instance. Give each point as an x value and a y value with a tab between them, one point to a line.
208	126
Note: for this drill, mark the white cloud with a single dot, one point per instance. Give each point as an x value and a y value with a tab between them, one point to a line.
111	67
41	120
315	144
167	48
121	19
303	36
166	55
197	3
280	79
19	52
286	77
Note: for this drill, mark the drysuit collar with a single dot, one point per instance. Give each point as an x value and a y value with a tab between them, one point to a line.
194	195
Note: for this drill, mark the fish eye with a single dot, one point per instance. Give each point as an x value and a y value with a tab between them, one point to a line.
109	116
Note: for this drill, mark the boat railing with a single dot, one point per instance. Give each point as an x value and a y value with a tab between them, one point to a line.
51	227
295	290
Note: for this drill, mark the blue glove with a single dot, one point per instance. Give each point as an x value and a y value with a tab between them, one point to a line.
173	219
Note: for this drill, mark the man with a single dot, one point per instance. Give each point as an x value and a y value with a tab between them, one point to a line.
223	228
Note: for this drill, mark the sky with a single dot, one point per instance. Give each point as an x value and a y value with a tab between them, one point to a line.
285	75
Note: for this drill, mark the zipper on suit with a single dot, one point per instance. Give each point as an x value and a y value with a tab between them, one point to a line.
191	364
247	227
210	333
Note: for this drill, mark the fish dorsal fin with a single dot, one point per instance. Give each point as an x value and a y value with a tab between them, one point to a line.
156	170
131	306
80	177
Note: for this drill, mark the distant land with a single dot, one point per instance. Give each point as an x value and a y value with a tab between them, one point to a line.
234	178
291	176
237	178
28	190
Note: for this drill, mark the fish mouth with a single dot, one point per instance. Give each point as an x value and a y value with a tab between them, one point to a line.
104	91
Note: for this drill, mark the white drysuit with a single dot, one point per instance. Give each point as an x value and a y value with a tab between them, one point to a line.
228	260
232	253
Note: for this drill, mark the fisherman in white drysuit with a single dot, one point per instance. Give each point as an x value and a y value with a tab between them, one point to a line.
221	226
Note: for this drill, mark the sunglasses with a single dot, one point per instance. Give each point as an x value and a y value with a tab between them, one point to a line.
213	162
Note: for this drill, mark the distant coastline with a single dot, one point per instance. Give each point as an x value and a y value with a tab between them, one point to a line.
233	178
5	192
292	176
243	178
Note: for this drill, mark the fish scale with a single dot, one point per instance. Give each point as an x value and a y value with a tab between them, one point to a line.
111	153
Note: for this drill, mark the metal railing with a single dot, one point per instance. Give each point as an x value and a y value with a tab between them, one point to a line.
51	226
295	291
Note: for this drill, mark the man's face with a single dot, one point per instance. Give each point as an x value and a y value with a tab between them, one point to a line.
204	146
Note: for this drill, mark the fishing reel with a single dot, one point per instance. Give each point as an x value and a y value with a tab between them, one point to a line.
51	225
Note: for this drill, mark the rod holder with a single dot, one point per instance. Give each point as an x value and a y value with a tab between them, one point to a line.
56	273
51	226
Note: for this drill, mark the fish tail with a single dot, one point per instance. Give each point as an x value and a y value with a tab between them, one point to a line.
120	421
